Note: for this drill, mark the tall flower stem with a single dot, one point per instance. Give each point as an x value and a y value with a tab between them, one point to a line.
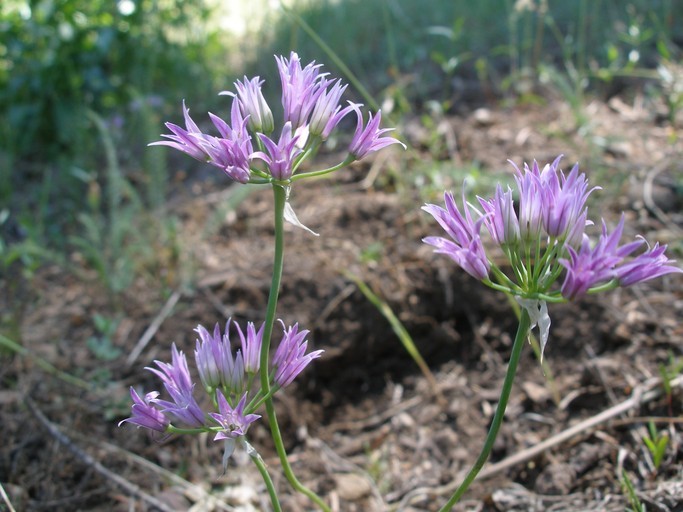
268	481
520	337
280	198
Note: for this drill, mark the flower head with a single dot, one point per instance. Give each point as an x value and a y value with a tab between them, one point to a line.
369	138
233	420
145	414
251	346
253	105
186	140
542	239
280	156
178	384
301	88
291	358
648	265
466	247
327	112
232	152
500	218
311	106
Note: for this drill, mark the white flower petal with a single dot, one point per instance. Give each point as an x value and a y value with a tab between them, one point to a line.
291	217
538	312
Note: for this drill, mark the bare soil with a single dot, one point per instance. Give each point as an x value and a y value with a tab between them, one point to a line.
363	426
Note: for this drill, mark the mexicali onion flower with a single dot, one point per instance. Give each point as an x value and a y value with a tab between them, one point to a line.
543	239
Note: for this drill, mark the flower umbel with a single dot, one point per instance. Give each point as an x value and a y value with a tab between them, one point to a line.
227	379
311	112
542	239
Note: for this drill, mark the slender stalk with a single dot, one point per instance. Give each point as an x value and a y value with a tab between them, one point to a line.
278	260
268	481
520	337
400	331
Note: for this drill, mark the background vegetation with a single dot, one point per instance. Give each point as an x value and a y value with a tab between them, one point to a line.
84	85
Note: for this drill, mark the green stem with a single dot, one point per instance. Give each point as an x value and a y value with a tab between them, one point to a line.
520	337
268	481
278	260
348	160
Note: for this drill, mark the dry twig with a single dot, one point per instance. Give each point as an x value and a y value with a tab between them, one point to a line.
154	327
118	480
649	391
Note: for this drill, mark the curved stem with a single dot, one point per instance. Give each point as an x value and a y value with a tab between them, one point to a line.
268	481
278	260
347	161
520	337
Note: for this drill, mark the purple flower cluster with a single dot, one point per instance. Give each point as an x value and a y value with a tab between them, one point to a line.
227	379
544	236
312	110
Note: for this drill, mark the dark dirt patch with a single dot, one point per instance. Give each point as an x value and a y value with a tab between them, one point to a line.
362	426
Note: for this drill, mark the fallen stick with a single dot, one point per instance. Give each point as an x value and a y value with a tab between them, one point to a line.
631	403
653	390
188	487
153	327
63	439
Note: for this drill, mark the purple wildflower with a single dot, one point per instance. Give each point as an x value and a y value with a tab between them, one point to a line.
186	140
290	358
251	346
231	152
215	362
369	138
500	217
213	357
233	421
589	267
551	201
253	105
144	414
327	112
648	265
530	201
564	200
466	249
177	381
280	157
301	88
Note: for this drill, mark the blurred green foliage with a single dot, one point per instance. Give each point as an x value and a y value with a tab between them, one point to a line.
427	48
71	70
59	58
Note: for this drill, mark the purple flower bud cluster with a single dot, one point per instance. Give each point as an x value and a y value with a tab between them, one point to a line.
245	149
227	379
543	238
